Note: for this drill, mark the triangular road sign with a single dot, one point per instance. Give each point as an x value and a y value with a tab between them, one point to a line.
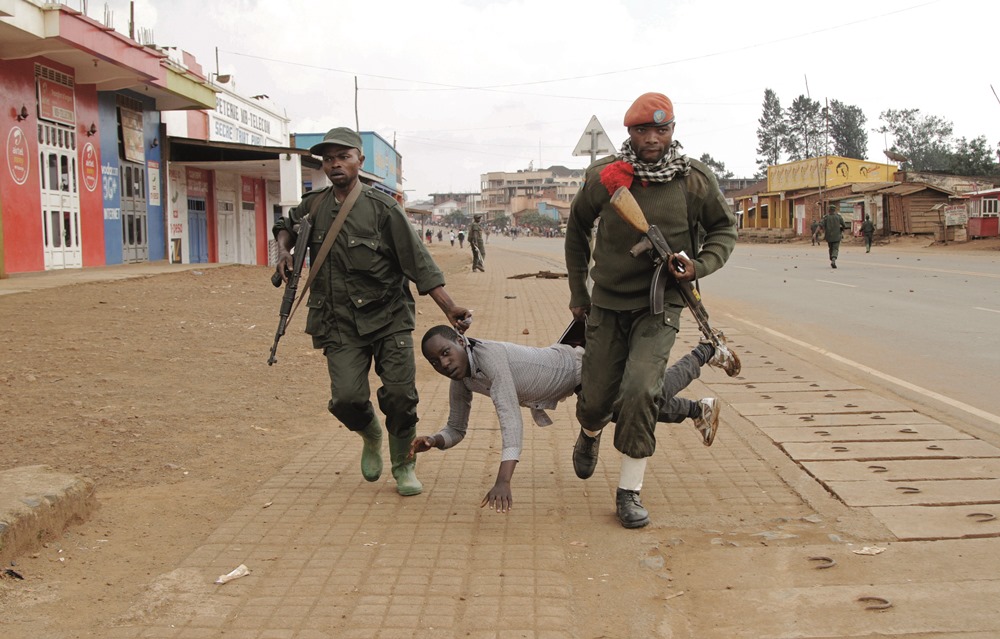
595	140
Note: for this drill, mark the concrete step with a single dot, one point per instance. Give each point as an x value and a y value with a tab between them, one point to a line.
37	504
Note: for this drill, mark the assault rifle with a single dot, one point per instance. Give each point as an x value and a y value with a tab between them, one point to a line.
654	242
292	285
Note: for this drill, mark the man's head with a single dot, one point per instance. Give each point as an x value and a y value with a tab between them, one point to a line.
477	218
444	349
342	155
831	209
650	122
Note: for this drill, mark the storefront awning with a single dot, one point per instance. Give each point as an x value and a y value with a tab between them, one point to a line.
193	150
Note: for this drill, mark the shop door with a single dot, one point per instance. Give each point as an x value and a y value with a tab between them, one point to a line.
60	197
135	244
227	233
248	234
198	230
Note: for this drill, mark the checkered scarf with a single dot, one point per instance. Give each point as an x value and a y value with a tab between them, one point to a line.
667	168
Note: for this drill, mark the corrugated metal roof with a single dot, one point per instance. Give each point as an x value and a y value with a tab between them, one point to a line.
909	188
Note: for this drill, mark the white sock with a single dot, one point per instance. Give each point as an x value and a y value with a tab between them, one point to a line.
590	433
631	473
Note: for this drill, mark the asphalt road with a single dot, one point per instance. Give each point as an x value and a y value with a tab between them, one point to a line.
929	318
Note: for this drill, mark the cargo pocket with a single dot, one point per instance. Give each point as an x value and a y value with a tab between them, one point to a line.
316	320
672	316
371	310
361	252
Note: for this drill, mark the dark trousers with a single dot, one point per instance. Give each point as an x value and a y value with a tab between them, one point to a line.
623	371
350	393
834	250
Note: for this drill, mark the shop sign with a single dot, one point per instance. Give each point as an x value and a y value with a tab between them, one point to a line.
89	167
17	156
132	135
153	171
56	102
197	183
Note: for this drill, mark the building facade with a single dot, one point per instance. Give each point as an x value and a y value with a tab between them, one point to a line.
83	172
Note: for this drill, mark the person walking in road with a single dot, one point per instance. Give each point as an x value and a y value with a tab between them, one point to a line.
814	229
477	244
833	231
868	231
627	344
461	239
513	375
451	237
360	305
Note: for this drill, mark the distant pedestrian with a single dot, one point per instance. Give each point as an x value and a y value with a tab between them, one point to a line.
833	229
429	235
476	242
440	235
868	231
451	236
461	239
814	228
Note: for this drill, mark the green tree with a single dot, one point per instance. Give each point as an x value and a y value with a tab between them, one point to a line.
770	132
925	140
803	136
456	219
501	221
847	130
537	220
718	167
974	157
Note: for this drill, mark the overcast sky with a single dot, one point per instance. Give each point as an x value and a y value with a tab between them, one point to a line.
470	86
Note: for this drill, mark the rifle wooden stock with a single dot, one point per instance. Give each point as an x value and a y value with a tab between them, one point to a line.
630	211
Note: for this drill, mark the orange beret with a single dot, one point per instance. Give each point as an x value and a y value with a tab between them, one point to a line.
653	109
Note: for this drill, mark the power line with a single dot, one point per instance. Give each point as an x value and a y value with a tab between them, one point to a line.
501	88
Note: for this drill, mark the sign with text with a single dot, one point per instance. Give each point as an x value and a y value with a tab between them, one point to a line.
132	135
89	167
197	183
56	102
153	173
17	156
243	123
955	215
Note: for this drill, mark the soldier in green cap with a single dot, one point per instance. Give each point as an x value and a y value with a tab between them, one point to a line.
360	305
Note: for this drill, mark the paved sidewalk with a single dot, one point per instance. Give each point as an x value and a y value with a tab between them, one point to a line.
27	282
730	551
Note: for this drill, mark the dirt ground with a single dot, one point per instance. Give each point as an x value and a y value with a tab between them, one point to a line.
158	390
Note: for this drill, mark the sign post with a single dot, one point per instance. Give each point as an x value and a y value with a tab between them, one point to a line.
594	141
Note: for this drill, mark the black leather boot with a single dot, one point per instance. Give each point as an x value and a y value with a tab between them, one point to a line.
585	454
631	514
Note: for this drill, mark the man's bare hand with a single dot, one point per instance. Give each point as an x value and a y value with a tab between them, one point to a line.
681	267
284	264
421	444
580	312
499	498
460	318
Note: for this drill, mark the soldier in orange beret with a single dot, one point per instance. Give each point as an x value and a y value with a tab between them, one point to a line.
627	345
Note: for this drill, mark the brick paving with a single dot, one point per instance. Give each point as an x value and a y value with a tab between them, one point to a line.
333	556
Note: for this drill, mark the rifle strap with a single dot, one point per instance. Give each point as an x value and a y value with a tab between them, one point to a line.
331	235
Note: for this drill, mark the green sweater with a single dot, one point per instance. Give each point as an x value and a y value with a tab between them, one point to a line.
621	282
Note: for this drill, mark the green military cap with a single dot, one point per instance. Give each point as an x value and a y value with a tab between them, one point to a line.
342	136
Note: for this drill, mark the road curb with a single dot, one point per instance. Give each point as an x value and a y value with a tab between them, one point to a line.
37	504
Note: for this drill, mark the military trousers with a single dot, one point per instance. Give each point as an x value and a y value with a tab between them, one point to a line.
834	248
622	377
350	392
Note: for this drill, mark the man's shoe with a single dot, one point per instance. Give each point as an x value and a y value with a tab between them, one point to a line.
371	452
708	423
724	358
631	514
833	263
585	454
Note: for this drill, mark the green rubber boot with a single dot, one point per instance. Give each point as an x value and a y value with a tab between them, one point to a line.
371	453
403	469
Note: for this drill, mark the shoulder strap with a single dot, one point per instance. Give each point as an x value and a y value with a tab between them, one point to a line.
331	235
